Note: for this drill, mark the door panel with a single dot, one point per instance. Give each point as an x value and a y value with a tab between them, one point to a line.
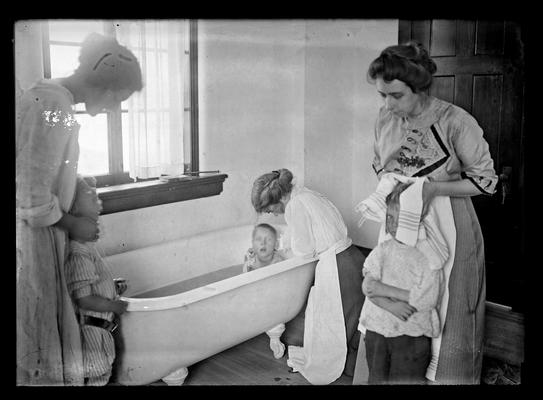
489	37
480	67
443	38
487	90
443	88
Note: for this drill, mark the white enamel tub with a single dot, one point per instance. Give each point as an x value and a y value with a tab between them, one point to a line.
188	300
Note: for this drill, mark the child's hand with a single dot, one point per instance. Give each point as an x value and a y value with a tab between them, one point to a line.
120	285
371	287
401	309
119	306
84	229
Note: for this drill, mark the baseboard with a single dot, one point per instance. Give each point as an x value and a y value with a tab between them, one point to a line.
504	334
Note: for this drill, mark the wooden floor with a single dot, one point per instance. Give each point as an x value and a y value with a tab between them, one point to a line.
249	363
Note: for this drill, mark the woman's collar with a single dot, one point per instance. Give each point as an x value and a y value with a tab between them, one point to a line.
427	117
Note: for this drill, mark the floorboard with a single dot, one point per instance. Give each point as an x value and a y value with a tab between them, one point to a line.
249	363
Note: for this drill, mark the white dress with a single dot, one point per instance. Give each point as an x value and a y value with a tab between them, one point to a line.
315	224
48	341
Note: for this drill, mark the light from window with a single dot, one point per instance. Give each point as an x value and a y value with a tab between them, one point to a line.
93	145
73	30
159	120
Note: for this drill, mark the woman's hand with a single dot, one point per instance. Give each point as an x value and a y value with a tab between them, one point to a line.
84	229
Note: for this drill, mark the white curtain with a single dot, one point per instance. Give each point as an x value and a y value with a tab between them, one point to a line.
156	114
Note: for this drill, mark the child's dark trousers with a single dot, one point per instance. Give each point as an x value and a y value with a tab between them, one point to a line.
397	360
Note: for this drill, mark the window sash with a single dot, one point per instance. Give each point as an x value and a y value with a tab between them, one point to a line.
117	175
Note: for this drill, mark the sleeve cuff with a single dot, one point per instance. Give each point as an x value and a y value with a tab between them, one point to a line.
41	216
377	170
486	185
82	292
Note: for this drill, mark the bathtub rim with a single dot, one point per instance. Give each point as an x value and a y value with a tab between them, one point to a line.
215	288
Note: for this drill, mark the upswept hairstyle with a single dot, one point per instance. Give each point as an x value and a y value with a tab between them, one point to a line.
268	189
263	225
106	64
409	63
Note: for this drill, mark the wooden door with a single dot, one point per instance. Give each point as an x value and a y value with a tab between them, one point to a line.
480	67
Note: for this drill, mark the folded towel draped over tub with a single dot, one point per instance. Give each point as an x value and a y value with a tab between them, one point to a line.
321	360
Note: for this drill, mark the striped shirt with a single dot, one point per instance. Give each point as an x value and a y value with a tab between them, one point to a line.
86	275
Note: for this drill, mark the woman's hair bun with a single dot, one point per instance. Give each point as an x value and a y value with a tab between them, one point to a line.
421	56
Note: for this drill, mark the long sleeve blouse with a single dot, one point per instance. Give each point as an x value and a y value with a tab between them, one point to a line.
315	224
46	154
444	143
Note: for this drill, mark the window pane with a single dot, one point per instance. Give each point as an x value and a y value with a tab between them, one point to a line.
73	30
63	60
93	145
126	157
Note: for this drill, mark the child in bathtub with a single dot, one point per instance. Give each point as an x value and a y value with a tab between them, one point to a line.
264	248
264	252
94	293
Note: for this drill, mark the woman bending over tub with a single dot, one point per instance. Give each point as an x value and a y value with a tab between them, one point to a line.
317	229
95	294
264	252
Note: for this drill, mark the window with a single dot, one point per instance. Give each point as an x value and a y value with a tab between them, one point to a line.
147	136
104	139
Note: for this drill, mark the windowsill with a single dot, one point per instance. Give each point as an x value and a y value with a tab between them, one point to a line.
132	196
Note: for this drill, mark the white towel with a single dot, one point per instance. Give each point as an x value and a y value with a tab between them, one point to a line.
322	358
410	213
374	208
443	221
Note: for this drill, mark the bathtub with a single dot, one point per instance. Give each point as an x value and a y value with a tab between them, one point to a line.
188	300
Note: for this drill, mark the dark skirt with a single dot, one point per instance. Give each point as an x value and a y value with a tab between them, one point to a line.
461	352
350	263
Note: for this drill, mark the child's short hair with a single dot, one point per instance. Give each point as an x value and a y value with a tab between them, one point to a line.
83	183
265	226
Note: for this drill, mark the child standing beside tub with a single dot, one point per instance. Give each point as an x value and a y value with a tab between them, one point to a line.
403	280
264	252
94	293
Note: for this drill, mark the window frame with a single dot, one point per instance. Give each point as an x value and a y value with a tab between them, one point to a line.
116	189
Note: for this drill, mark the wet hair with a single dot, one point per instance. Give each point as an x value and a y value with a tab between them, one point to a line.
106	64
268	189
265	226
409	63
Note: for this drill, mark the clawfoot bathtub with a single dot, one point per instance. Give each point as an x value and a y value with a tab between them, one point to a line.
188	300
